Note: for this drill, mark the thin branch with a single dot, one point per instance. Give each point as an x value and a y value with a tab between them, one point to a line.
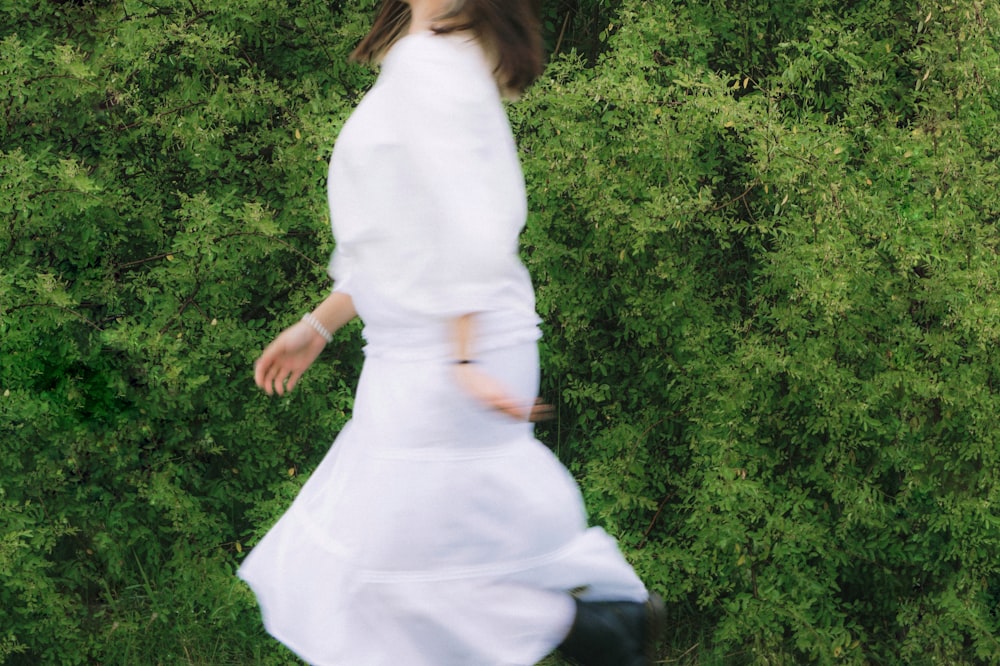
59	76
562	33
747	191
58	190
162	115
58	307
682	655
287	245
197	17
184	306
656	516
284	243
129	264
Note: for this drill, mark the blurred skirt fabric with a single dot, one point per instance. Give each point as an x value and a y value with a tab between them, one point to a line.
435	532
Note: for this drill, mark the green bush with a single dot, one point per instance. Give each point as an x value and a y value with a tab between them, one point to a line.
764	240
769	265
162	219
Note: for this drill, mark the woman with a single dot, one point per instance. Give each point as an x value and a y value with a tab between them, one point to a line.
437	531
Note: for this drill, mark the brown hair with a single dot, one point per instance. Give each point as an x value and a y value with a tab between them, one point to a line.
509	29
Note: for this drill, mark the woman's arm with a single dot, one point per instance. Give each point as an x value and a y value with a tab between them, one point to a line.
336	310
480	385
278	369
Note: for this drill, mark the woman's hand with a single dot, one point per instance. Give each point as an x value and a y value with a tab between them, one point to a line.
278	369
494	395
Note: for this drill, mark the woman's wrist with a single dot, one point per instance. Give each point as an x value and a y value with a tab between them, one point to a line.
462	336
314	323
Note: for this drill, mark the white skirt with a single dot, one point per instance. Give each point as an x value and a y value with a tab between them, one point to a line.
435	532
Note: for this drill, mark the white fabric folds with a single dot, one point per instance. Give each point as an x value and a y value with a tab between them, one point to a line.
435	532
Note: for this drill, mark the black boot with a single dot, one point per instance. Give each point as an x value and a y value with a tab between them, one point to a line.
614	633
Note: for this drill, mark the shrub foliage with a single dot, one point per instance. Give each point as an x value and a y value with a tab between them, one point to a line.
764	237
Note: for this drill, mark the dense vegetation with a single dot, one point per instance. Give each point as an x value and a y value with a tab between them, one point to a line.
765	240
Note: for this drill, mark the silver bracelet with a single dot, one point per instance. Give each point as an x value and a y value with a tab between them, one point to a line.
310	319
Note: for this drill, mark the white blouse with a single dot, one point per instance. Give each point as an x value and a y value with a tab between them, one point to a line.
427	201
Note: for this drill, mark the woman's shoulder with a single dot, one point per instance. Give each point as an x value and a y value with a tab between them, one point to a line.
441	58
432	46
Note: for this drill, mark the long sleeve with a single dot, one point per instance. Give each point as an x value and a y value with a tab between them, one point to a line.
426	193
427	201
465	184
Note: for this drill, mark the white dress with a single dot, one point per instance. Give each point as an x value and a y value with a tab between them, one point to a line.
435	532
